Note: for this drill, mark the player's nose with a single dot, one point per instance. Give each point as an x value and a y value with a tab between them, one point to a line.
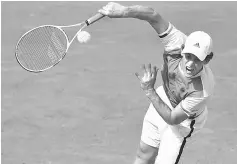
190	64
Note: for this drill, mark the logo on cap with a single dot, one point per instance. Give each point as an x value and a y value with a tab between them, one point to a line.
197	45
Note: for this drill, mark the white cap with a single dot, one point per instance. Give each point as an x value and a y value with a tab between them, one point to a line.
199	44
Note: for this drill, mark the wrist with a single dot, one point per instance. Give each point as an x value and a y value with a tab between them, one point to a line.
150	92
152	95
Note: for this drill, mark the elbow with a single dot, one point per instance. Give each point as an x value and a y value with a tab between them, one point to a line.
170	121
155	17
173	121
150	15
144	13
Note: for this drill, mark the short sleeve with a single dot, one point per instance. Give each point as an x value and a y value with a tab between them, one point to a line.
193	106
172	39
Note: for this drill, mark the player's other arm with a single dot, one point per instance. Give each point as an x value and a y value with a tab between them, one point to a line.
187	108
115	10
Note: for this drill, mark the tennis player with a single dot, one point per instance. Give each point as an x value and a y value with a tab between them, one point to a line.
178	108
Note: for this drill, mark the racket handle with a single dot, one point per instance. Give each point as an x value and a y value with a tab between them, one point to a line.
94	19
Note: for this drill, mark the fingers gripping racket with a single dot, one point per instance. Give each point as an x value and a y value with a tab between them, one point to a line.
45	46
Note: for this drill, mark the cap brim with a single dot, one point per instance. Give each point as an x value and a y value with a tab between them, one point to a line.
194	51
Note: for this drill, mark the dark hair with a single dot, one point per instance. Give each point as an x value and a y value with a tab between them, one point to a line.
209	57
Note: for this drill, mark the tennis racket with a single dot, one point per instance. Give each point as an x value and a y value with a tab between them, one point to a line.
45	46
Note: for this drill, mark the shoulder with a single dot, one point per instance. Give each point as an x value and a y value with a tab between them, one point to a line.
203	85
208	81
199	92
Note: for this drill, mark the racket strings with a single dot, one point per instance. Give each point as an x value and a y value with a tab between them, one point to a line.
28	52
41	48
31	53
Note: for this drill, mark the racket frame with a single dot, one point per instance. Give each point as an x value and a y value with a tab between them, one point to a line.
84	24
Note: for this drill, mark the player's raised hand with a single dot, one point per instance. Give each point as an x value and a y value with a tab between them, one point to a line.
149	78
113	10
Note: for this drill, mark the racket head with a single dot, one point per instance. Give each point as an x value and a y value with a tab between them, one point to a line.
41	48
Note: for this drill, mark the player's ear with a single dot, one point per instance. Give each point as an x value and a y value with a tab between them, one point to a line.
208	58
182	47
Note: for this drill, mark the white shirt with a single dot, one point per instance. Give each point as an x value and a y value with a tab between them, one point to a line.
189	94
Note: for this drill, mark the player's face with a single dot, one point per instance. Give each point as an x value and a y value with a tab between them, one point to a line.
191	64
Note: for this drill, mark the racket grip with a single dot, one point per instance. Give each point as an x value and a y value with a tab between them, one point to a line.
94	19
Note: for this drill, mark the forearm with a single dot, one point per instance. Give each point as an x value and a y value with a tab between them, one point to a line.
141	12
161	107
147	14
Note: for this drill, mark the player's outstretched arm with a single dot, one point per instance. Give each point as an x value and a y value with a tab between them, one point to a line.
116	10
